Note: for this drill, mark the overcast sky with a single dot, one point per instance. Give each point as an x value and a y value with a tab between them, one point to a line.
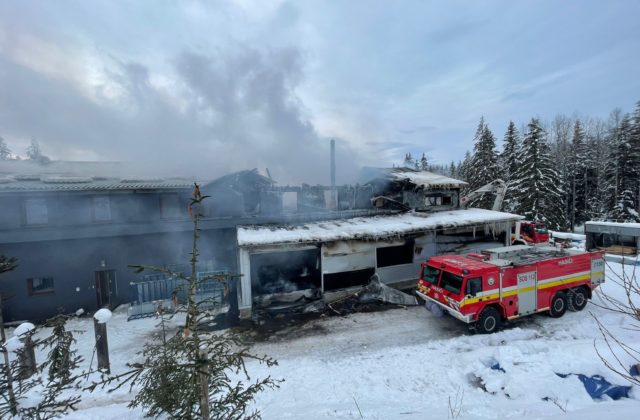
209	87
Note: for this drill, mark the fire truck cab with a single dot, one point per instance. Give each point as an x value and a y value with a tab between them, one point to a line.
526	232
506	283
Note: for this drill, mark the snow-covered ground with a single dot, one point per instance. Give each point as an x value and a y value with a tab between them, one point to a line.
408	364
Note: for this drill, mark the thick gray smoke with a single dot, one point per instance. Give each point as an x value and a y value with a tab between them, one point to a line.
218	112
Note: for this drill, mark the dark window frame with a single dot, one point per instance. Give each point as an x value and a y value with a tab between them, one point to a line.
48	290
391	256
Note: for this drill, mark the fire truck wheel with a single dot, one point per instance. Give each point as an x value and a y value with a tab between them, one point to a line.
558	305
577	299
489	321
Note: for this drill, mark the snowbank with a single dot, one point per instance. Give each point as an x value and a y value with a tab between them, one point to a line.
406	364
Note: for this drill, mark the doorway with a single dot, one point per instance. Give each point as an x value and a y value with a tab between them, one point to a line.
104	280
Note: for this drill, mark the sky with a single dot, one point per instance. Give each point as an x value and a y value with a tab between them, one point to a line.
207	87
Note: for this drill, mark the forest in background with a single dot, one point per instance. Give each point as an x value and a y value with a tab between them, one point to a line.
563	172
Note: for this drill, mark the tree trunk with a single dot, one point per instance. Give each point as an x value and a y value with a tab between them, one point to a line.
102	346
203	374
13	404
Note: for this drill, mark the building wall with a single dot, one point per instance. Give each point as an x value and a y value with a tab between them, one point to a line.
73	263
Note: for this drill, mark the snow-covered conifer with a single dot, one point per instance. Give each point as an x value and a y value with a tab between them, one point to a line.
483	167
5	153
535	185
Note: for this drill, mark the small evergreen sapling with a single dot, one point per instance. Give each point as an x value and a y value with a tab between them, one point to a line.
189	375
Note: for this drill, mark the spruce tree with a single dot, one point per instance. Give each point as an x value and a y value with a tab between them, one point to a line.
190	375
424	164
5	153
578	177
408	161
510	160
634	157
483	168
35	154
624	175
535	185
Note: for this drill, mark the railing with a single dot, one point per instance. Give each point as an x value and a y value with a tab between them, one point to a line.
157	291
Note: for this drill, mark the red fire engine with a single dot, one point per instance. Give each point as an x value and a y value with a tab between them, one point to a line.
510	282
526	232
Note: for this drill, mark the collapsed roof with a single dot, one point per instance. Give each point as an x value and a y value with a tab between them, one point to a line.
368	227
418	179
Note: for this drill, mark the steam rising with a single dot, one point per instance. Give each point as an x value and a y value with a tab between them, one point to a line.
206	115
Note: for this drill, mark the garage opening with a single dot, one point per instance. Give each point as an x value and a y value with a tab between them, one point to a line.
286	271
395	255
346	279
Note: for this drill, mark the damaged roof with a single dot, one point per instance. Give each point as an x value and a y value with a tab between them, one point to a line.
72	183
422	179
368	227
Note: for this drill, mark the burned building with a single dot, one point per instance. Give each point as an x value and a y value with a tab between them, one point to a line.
75	230
282	263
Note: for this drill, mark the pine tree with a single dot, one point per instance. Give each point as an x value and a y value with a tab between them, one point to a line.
424	165
536	181
35	154
577	174
190	375
561	131
634	157
5	153
623	174
510	152
408	161
510	161
483	167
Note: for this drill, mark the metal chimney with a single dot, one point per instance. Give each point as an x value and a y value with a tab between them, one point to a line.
334	195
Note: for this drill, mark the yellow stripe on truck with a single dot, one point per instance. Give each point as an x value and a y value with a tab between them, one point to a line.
548	284
565	281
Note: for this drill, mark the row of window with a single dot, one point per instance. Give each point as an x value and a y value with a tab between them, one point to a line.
36	211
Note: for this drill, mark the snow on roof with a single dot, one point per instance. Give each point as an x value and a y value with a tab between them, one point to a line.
90	184
425	179
615	224
367	227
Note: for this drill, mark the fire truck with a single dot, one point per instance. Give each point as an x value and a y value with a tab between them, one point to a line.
501	284
532	233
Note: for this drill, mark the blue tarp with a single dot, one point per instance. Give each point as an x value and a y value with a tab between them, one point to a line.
596	386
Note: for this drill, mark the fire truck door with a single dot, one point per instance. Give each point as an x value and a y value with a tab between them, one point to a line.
597	271
527	292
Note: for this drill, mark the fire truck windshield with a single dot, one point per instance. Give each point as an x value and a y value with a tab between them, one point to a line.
540	228
451	282
430	275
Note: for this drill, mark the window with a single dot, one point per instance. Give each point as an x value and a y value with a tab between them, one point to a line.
347	279
101	209
169	206
474	285
438	200
35	211
431	275
40	285
395	255
451	282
